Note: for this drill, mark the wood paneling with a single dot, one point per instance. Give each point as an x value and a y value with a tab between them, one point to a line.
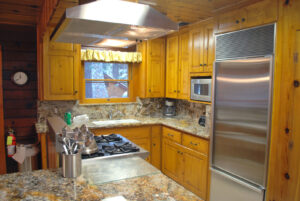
283	177
18	12
19	53
2	139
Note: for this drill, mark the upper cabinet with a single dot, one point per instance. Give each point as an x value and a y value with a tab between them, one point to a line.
260	13
177	65
150	74
172	67
61	63
202	47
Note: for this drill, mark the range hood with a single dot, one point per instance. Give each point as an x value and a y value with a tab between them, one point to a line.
113	23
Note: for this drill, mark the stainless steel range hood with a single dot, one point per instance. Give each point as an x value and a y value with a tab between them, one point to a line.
111	23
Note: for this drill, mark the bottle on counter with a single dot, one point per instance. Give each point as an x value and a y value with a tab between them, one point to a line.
68	118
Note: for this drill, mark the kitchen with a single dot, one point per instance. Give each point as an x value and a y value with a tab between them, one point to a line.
207	90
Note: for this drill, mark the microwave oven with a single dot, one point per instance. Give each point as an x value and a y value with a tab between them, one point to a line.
201	89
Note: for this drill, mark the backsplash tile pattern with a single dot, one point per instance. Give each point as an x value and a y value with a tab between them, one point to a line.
142	107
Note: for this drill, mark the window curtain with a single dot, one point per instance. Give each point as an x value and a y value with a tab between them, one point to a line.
110	56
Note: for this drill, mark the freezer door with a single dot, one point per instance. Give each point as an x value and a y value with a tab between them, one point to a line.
226	188
241	117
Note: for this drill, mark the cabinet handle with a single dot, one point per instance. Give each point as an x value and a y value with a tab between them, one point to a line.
170	135
200	64
237	21
154	144
193	144
204	64
175	91
243	19
178	152
75	92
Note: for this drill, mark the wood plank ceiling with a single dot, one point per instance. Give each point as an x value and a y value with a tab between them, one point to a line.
20	12
26	12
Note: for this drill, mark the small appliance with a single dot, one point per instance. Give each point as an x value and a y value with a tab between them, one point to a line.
169	108
201	89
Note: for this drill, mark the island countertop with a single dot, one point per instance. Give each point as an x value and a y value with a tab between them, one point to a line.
44	185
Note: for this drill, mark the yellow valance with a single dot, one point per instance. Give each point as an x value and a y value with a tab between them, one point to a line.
110	56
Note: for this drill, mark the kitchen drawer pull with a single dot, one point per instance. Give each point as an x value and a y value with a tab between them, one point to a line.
154	144
195	144
170	135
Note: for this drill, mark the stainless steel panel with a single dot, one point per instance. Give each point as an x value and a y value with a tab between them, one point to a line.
227	188
241	117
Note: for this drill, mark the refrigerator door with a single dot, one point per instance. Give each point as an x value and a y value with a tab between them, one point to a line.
241	117
227	188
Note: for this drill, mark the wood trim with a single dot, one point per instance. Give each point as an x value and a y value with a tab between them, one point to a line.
2	134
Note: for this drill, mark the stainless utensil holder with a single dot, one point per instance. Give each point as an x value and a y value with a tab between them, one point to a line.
71	165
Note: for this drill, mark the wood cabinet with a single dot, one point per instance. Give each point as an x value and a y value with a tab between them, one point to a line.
177	66
202	47
156	146
156	68
260	13
186	160
172	66
61	62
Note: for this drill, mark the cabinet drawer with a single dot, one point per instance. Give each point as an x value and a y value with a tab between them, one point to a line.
195	143
128	132
172	134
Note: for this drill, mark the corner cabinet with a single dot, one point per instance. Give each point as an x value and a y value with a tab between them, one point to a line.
150	74
262	12
202	48
177	66
61	63
156	68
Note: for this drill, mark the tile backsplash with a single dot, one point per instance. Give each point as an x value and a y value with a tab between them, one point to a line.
142	107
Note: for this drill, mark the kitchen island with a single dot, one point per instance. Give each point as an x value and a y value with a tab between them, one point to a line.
44	185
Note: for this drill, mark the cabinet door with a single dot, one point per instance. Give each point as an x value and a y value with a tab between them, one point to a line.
209	48
60	70
183	69
172	67
156	152
156	68
197	45
261	13
231	20
195	172
172	160
156	146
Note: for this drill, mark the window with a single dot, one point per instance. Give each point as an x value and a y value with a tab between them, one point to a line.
106	82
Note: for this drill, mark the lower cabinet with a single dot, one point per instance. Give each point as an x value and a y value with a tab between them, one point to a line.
186	166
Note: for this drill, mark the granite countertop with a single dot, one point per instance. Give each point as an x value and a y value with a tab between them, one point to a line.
181	123
46	185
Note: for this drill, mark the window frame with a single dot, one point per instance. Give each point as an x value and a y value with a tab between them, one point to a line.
82	86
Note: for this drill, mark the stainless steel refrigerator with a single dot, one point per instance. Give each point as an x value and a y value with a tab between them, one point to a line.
242	99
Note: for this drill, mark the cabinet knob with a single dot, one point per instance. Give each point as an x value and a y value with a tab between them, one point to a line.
296	83
243	19
204	64
200	64
75	92
170	135
237	21
154	144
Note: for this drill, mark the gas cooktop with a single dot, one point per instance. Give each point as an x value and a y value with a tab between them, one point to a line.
115	145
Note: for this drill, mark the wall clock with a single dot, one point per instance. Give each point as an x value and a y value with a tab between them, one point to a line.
20	78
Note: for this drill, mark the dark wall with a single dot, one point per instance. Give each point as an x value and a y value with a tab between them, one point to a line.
19	53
